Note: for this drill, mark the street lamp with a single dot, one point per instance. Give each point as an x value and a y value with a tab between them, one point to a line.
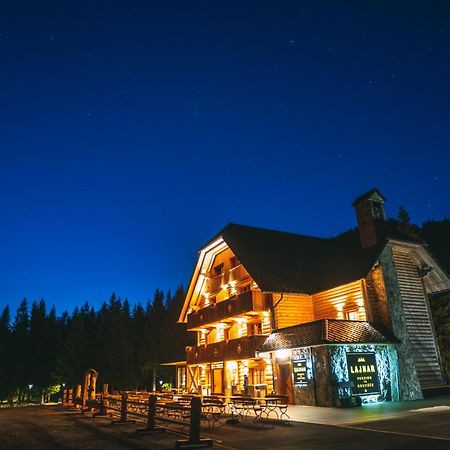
30	386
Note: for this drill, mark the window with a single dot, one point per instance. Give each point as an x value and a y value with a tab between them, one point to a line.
254	328
351	315
244	288
234	262
218	270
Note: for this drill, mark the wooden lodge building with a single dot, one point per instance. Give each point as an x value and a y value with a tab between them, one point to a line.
316	319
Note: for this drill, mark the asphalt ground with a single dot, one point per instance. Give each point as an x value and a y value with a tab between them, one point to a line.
54	427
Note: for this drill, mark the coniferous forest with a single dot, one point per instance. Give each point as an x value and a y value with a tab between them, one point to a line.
127	343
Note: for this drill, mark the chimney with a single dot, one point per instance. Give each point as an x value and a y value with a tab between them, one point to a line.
370	216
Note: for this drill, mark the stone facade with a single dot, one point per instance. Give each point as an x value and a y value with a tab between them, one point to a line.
407	374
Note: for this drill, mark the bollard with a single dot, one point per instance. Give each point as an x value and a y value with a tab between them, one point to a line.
194	428
151	418
123	411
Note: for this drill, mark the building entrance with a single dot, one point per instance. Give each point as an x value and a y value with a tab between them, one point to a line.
217	385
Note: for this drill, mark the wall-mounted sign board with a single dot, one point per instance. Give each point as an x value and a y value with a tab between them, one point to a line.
299	370
363	371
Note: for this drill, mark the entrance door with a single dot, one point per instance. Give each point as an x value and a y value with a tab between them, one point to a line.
217	381
286	381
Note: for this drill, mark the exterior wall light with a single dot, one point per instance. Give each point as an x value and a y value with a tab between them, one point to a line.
282	354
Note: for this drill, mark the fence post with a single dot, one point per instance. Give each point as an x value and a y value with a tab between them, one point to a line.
151	418
194	427
102	410
124	406
123	411
77	396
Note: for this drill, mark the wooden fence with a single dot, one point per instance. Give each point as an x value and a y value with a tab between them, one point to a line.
148	408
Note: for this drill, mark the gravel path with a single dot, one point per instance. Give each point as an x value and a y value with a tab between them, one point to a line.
49	427
54	427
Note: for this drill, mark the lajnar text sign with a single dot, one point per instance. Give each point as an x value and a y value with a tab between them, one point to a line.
299	370
363	371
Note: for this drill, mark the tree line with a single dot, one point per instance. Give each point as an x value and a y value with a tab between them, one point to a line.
125	344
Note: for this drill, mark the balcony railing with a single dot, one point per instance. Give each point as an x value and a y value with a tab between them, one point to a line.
215	284
234	306
241	348
238	273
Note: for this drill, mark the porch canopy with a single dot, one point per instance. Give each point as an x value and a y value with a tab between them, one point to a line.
327	331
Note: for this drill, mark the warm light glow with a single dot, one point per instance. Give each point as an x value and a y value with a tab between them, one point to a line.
282	354
231	365
340	314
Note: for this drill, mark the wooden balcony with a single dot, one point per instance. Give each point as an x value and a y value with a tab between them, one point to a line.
241	348
234	306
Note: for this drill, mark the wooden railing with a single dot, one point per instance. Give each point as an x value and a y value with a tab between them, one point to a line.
234	306
148	408
244	347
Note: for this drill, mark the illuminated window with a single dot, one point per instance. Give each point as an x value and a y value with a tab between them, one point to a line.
351	315
254	328
244	288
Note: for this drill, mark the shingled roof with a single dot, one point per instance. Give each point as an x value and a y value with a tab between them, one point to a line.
287	262
327	331
279	261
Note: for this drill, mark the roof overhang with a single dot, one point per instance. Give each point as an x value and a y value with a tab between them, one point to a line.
175	363
204	261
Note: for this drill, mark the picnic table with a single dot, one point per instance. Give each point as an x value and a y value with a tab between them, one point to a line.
243	406
213	407
277	404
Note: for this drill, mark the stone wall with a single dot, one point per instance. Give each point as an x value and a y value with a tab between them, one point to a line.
318	390
386	360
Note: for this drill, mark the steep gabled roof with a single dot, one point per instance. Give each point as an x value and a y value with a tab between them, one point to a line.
293	263
287	262
327	331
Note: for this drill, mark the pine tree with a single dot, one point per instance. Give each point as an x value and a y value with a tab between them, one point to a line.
5	345
405	225
20	350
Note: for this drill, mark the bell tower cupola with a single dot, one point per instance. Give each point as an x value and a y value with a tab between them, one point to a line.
370	215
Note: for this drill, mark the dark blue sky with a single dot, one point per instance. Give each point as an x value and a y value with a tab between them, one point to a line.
131	132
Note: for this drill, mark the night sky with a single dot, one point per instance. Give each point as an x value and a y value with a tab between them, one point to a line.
132	132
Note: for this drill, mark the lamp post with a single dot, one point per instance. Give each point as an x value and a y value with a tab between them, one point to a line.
61	392
30	386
